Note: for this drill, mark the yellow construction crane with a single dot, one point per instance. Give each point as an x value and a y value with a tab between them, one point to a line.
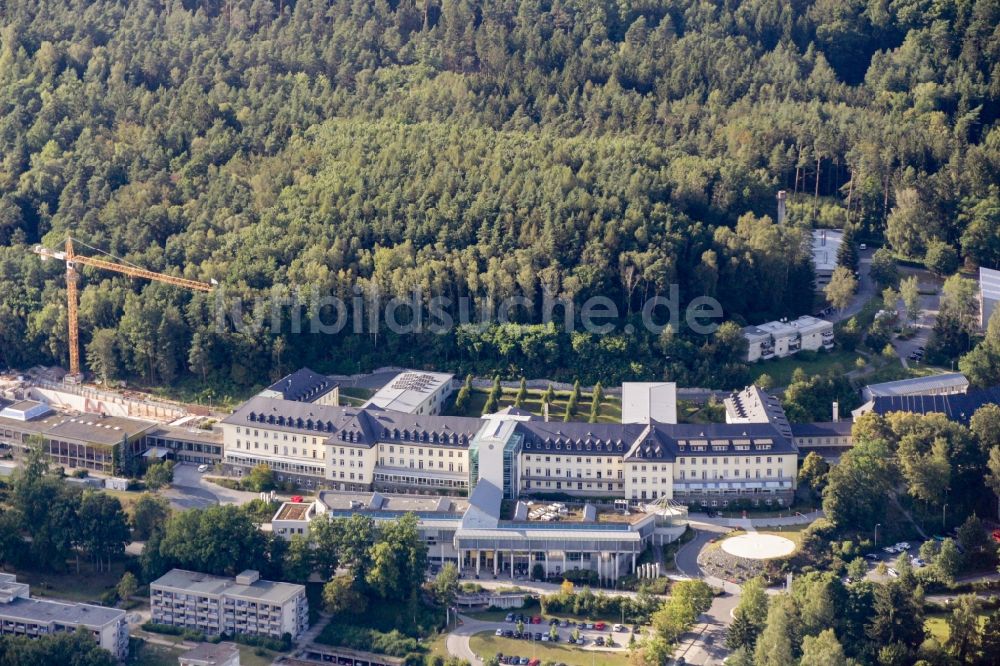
72	259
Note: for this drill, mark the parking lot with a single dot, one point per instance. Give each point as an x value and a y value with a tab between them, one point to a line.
584	635
889	553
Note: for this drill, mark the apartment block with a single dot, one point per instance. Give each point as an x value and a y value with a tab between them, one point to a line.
241	605
778	339
23	616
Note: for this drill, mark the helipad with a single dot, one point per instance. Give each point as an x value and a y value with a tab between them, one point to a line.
755	546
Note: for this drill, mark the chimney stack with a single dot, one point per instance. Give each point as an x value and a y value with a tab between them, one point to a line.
782	196
836	411
545	411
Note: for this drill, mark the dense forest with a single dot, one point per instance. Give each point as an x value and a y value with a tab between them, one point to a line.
490	149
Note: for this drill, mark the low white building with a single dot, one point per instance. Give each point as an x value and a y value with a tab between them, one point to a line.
645	402
944	384
211	654
242	605
825	249
414	392
778	339
989	295
23	616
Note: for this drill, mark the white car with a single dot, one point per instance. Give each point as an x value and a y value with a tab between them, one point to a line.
890	549
893	573
903	545
202	468
618	627
499	632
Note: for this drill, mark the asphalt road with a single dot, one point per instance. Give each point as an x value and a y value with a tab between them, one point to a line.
705	643
866	289
190	490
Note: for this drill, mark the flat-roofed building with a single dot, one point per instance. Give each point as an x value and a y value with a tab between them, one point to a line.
241	605
646	402
943	384
187	443
956	406
825	249
989	295
211	654
305	385
439	516
778	339
414	392
84	441
23	616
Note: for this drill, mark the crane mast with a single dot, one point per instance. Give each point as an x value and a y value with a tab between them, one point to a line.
72	294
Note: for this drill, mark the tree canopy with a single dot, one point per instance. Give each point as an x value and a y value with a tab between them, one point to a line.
512	148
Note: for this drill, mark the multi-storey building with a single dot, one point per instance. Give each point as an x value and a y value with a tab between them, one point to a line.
96	442
21	615
825	246
414	392
304	385
777	339
215	605
360	450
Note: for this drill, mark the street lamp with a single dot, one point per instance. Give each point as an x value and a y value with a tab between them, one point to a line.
877	525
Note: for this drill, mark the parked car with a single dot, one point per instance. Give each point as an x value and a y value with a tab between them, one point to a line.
537	619
554	622
618	627
545	638
600	626
524	661
202	468
600	641
590	625
872	556
893	573
499	632
538	636
509	618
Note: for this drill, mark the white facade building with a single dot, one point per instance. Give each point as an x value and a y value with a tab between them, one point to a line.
241	605
989	295
23	616
942	384
646	402
778	339
414	392
825	248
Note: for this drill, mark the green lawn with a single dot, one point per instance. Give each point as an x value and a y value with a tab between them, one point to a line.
144	653
150	654
937	625
486	644
355	397
891	372
691	412
87	586
780	370
610	411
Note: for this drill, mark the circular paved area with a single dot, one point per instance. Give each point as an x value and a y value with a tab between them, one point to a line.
758	546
